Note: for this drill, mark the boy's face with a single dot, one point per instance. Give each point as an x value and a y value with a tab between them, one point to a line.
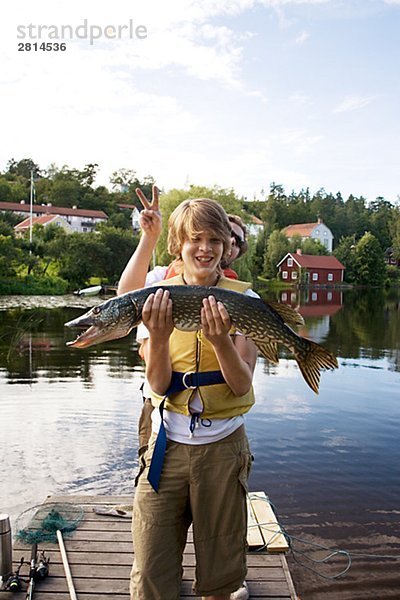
201	256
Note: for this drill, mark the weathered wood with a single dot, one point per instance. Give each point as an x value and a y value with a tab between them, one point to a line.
254	536
288	577
254	560
100	556
89	570
271	531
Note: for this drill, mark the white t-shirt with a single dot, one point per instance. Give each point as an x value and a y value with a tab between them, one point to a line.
185	429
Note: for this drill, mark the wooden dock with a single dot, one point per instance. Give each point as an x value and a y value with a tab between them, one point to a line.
100	556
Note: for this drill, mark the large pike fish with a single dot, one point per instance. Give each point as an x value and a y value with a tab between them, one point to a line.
266	324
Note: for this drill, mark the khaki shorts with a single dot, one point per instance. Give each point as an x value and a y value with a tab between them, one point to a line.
205	485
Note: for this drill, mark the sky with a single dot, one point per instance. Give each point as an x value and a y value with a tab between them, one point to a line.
235	93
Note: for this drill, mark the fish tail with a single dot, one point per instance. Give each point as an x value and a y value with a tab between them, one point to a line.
312	360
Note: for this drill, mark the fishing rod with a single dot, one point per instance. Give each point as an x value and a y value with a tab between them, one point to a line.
32	573
38	570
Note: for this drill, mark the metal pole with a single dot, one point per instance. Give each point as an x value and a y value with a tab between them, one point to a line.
32	573
31	214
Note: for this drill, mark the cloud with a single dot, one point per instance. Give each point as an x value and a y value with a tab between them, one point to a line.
299	140
302	37
299	98
394	2
353	103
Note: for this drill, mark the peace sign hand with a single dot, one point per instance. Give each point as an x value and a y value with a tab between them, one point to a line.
150	220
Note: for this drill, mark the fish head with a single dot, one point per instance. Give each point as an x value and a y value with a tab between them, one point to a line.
111	320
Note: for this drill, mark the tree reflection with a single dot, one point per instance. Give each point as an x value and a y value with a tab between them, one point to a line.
33	342
365	323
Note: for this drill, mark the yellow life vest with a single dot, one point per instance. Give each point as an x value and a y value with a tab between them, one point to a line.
190	351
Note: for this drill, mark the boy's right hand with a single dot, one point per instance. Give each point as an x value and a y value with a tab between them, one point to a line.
150	220
157	315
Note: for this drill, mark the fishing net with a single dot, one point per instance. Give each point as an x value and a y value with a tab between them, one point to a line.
41	523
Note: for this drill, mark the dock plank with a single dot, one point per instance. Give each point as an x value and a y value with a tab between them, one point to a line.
100	556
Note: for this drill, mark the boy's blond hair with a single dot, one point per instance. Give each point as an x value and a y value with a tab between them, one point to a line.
193	217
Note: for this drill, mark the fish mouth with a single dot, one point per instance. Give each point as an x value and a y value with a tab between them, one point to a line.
92	333
86	338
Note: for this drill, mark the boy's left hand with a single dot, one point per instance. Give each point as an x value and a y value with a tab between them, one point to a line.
215	320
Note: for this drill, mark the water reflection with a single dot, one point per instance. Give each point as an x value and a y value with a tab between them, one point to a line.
329	462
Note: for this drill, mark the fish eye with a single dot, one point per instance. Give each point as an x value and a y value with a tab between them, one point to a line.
96	310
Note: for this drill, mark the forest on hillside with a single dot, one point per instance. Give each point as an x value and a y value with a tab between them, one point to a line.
57	262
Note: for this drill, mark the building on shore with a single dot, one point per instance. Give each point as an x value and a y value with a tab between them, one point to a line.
310	269
81	220
316	231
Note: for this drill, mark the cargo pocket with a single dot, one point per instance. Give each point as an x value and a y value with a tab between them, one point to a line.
245	467
145	457
142	466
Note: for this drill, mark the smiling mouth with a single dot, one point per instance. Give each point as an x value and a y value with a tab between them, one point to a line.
204	260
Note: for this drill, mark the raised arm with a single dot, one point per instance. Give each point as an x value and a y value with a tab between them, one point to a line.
134	274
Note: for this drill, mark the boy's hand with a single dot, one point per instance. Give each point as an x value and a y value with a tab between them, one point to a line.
157	316
215	321
150	217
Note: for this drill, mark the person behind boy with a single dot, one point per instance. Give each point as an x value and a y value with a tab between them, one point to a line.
136	275
207	460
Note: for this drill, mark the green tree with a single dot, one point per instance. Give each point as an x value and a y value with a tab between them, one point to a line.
10	218
50	243
6	190
23	168
257	255
123	179
84	257
311	246
380	211
11	257
68	187
369	263
274	209
394	227
120	246
346	253
277	248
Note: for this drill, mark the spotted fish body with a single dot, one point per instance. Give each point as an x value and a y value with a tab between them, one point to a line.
266	324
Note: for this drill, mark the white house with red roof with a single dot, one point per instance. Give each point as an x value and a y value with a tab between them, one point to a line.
45	220
316	231
81	220
310	269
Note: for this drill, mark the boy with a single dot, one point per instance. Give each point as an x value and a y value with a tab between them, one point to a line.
135	274
207	459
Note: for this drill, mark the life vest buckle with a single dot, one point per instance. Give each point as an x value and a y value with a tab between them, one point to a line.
185	383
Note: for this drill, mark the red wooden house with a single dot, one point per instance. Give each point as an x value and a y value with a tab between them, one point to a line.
310	269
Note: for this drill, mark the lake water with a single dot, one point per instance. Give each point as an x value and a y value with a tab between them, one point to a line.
329	463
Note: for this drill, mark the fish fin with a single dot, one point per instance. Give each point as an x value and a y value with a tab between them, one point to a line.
288	314
311	360
269	350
